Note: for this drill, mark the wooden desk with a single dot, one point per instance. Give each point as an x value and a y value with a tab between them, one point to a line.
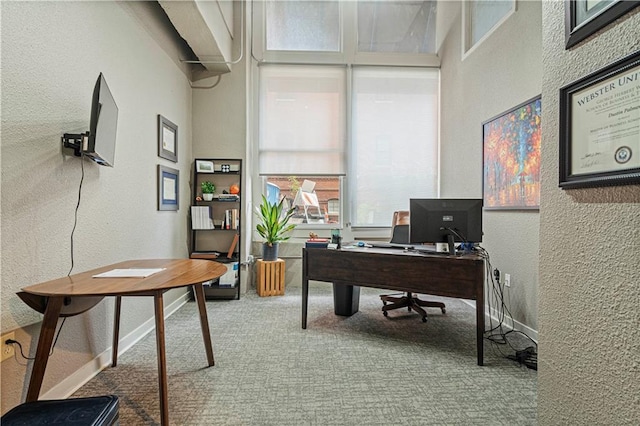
443	275
78	293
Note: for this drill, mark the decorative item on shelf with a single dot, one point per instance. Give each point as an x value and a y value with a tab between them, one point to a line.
273	226
336	239
208	188
204	166
234	189
225	168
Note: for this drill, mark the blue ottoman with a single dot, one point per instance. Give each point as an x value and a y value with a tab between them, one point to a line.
92	411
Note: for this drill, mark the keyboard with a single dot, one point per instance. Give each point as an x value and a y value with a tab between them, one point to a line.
378	244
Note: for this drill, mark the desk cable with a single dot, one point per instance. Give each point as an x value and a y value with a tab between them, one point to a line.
495	333
15	342
75	223
75	216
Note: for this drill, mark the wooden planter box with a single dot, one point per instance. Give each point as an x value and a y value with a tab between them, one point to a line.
270	278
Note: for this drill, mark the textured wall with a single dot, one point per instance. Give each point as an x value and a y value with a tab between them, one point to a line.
502	72
589	306
52	53
219	131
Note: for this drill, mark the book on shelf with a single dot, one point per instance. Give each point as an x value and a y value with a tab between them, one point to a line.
230	277
210	255
201	218
231	219
227	197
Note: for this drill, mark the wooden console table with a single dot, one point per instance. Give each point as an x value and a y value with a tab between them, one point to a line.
442	275
78	293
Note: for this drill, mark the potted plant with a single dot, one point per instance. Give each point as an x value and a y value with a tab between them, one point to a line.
273	226
208	188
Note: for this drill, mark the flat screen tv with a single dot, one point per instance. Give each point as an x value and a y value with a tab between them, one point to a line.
99	143
441	220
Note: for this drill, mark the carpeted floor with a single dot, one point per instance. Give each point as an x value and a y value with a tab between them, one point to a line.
359	370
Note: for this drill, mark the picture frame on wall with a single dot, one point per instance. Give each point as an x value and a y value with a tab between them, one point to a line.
586	17
167	139
168	188
511	158
600	127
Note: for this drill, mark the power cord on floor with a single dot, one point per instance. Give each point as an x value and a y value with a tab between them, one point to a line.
527	357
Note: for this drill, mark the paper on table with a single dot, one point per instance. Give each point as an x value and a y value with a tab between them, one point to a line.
126	273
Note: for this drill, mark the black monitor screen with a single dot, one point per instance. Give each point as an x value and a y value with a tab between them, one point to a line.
436	220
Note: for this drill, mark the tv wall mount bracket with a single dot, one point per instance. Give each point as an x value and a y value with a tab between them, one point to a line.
76	141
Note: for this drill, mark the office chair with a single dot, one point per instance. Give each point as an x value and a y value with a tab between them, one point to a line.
400	235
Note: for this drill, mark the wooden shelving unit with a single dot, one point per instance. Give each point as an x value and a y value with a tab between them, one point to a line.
216	225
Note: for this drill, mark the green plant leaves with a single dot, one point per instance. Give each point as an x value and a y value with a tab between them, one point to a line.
274	226
207	187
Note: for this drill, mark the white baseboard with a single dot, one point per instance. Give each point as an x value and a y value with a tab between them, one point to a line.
71	384
508	321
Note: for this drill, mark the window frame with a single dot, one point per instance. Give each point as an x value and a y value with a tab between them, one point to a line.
348	57
349	45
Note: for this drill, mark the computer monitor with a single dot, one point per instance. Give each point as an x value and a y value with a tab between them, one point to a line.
439	220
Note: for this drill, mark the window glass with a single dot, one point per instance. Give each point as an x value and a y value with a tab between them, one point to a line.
483	16
316	199
394	141
397	27
303	25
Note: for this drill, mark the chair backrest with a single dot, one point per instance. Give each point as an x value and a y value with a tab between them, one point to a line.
400	227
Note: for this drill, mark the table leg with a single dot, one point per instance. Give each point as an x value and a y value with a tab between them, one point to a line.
346	298
305	289
116	331
198	290
480	315
162	359
47	332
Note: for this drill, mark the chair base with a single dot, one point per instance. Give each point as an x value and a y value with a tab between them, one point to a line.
410	302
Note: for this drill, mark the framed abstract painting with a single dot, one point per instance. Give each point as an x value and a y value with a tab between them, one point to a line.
511	158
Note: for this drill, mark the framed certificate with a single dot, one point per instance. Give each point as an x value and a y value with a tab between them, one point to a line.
167	139
600	127
168	188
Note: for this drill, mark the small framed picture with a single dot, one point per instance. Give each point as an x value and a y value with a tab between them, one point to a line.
168	188
584	18
204	166
167	139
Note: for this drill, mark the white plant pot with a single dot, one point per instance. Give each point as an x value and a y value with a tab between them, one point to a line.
207	197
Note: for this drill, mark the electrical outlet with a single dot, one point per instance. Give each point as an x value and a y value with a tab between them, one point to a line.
7	350
507	280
